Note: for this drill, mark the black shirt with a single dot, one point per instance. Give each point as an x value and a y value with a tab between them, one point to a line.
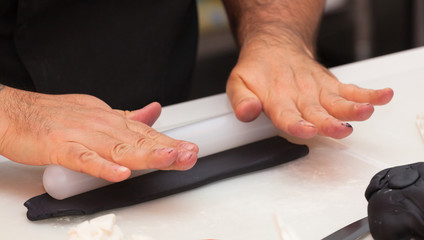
126	52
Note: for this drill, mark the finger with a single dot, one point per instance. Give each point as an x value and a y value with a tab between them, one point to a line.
132	132
78	158
159	158
185	161
148	154
140	152
143	153
147	115
376	97
134	146
286	117
345	110
245	103
141	131
326	124
294	125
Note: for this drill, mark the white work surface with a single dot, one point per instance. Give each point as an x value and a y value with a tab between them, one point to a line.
310	197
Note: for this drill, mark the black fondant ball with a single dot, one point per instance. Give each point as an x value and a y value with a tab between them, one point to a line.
396	203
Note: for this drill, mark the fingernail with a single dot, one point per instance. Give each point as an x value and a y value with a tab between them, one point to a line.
306	123
120	169
185	156
357	106
346	124
187	146
165	150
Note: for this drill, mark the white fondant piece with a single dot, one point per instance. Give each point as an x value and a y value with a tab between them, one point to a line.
100	228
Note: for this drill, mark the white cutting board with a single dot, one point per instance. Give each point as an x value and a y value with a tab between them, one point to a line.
312	196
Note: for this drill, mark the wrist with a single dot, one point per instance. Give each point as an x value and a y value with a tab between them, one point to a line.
290	25
16	109
277	39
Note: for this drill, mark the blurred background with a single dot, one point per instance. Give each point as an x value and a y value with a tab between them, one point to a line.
351	30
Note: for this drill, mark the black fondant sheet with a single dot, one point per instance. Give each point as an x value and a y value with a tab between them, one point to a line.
248	158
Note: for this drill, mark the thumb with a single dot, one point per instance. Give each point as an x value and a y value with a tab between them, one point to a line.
147	115
245	103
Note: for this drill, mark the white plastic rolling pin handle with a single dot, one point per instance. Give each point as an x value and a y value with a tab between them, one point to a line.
212	136
61	183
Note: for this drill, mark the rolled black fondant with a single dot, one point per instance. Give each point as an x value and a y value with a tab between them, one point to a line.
396	203
252	157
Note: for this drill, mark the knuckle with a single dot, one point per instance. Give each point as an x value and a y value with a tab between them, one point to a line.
86	157
87	163
142	142
151	133
76	158
119	151
145	143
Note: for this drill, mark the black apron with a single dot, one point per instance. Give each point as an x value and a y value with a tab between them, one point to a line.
126	52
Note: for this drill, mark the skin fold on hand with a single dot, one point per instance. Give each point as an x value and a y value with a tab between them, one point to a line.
84	134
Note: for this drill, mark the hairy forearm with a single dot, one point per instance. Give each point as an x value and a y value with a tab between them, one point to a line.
278	21
3	118
17	113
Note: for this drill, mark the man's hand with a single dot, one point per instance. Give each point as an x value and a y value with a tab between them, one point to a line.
276	71
301	97
84	134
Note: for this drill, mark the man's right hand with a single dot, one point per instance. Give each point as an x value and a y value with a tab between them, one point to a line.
84	134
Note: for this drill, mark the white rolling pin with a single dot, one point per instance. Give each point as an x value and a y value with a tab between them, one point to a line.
212	135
